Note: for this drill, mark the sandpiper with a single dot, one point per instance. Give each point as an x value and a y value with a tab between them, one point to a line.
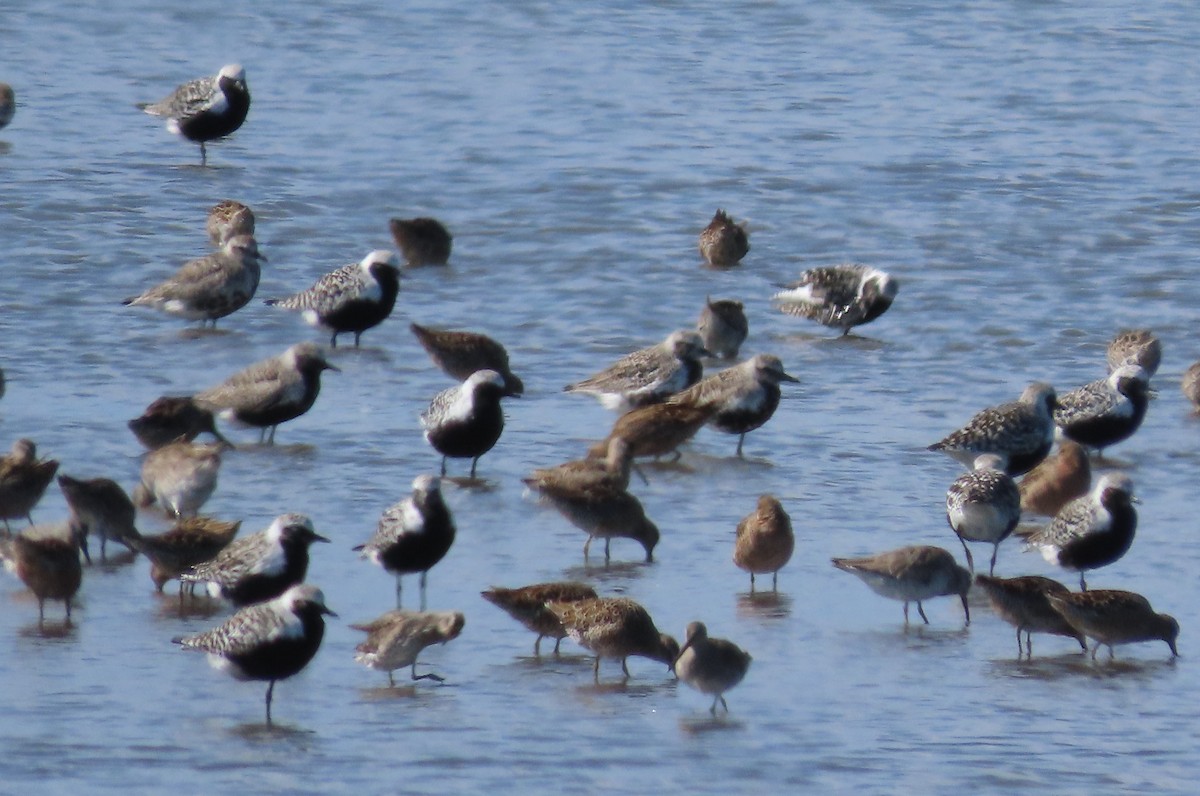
1135	347
179	477
603	510
1092	531
648	375
1114	617
270	641
209	287
422	241
413	535
259	566
46	560
191	541
614	627
1191	385
911	574
23	481
270	392
723	243
743	397
352	299
655	430
99	506
395	639
170	418
1107	411
205	109
8	104
1024	603
711	665
614	467
466	421
459	354
984	505
722	327
527	605
839	296
1021	431
228	219
1058	480
765	540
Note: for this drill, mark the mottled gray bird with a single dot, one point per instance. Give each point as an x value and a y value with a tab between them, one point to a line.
648	375
1022	432
741	398
209	287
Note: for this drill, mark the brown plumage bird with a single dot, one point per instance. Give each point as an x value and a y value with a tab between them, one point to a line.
613	468
1114	617
723	243
527	605
764	540
711	665
99	506
459	354
1057	481
171	418
1024	603
192	541
47	561
421	241
911	574
614	627
655	430
23	481
395	639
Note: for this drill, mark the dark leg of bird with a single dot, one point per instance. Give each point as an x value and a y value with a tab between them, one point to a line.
391	680
921	611
356	336
713	707
67	603
423	574
399	599
41	612
1111	654
474	462
103	551
443	466
607	542
752	583
596	670
741	439
537	647
1018	643
557	641
586	545
333	340
262	435
1029	644
906	613
430	676
625	668
1095	649
204	162
641	475
270	690
775	581
724	704
1082	582
271	438
995	552
967	550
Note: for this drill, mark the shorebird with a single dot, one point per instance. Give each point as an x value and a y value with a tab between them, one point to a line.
839	296
527	605
180	477
911	574
1024	603
23	481
47	561
205	109
413	535
1092	531
99	506
8	104
723	243
209	287
352	299
722	327
711	665
422	241
228	219
765	541
1021	431
1114	617
259	566
1058	480
614	627
1105	412
613	468
1191	385
984	505
603	510
742	397
655	430
466	421
191	541
271	641
395	639
1135	347
270	392
648	375
172	418
459	354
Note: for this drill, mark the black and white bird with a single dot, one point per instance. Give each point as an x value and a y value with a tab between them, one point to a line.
1107	411
466	421
839	296
205	109
648	375
352	299
259	566
209	287
1021	432
984	505
412	535
742	397
270	392
270	641
1092	531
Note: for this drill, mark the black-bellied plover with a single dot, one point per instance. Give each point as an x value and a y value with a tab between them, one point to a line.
1092	531
99	506
1021	431
171	418
527	605
259	566
1135	347
723	243
711	665
210	287
207	108
648	375
655	430
1114	617
466	421
1105	412
271	641
352	299
395	639
421	241
742	397
614	467
1024	603
23	481
270	392
723	327
765	540
984	505
603	510
413	535
1057	481
228	219
191	541
1190	385
46	559
459	354
911	574
179	477
614	627
8	104
839	296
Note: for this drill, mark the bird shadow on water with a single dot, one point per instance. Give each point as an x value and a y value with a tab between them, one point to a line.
598	570
261	731
764	605
199	332
191	606
60	630
1079	664
706	723
473	484
824	340
294	450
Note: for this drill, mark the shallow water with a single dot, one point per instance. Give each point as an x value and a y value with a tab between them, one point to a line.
1027	170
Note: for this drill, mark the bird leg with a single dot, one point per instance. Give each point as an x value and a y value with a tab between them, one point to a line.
752	583
430	676
586	545
741	439
1082	582
995	552
270	691
423	574
443	466
921	611
474	462
967	550
399	598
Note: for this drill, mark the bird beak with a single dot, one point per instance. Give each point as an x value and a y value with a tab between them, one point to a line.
788	377
333	367
316	537
328	612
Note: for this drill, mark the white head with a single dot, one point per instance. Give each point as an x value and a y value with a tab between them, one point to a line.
1114	480
243	246
481	378
232	72
1128	372
1042	396
685	344
303	594
276	529
380	256
426	484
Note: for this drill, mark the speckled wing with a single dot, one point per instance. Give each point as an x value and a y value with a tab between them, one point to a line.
439	407
983	486
195	279
643	370
1088	402
333	290
402	519
257	388
239	558
716	390
1077	519
827	295
190	99
995	428
246	631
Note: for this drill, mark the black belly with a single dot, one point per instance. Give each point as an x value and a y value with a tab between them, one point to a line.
415	553
279	413
469	438
280	659
358	316
257	588
209	126
740	421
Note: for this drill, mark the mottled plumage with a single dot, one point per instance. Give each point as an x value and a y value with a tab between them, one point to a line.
1191	385
190	542
1135	347
205	109
459	354
1058	480
527	605
603	510
395	639
209	287
228	219
179	477
1114	617
614	627
723	243
655	430
1107	411
648	375
99	506
351	299
984	505
1022	432
614	468
742	398
172	418
466	421
911	574
421	241
765	540
23	480
46	560
711	665
723	327
1024	603
840	296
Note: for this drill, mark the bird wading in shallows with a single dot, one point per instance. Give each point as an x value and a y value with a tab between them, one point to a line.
205	109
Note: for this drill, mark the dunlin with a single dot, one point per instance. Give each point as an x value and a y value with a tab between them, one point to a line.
648	375
191	541
614	627
1114	617
742	397
527	605
352	299
205	109
655	430
459	354
765	541
99	506
723	243
984	505
395	639
1024	603
723	327
466	421
228	219
171	418
840	296
911	574
1135	347
422	241
1105	412
23	481
613	468
47	561
1058	480
711	665
1021	431
179	477
209	287
603	510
